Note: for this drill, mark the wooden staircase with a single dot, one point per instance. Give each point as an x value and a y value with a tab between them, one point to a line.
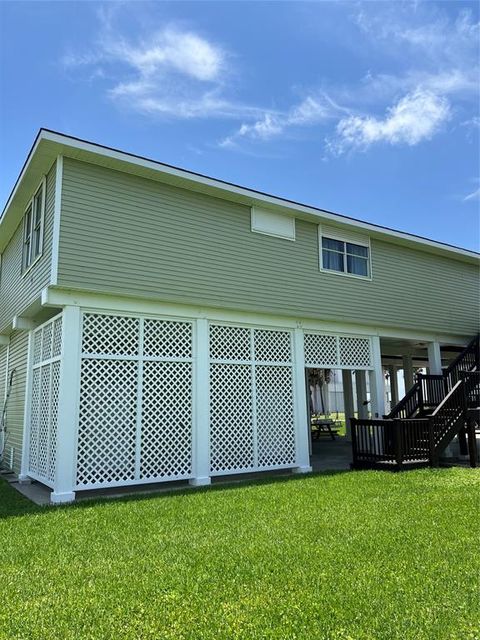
419	428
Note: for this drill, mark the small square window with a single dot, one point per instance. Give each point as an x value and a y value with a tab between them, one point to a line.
345	257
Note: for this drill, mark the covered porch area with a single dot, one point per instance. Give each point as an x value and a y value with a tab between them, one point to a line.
339	397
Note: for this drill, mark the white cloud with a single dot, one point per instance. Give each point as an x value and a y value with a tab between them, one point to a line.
310	111
170	50
414	118
475	195
176	72
428	31
173	73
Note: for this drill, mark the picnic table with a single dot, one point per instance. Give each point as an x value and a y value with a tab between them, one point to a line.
325	426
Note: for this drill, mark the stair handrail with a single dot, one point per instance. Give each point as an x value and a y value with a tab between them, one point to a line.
472	347
446	399
438	436
474	342
403	402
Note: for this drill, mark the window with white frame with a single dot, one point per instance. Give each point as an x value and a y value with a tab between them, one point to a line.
342	256
33	228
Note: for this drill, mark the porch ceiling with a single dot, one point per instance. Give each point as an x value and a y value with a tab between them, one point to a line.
395	348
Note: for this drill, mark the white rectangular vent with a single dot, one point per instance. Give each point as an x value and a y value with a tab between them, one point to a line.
273	224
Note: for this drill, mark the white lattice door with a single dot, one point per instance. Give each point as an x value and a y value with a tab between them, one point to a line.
252	422
136	401
42	443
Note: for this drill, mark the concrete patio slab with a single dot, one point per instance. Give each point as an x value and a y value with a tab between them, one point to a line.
327	455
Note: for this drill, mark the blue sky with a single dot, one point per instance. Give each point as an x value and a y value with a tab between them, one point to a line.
366	109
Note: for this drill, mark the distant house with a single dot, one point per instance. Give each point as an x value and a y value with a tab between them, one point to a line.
156	324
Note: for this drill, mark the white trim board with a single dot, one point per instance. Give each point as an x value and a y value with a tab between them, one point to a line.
58	297
56	219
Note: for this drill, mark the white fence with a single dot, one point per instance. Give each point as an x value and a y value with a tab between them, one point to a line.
46	356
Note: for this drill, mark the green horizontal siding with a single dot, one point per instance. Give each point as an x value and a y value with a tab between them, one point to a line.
17	293
17	360
128	235
3	378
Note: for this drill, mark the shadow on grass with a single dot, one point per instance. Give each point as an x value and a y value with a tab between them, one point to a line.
14	504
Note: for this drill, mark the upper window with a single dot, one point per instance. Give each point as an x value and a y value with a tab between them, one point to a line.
33	228
345	257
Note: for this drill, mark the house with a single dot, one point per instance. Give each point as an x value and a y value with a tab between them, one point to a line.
156	324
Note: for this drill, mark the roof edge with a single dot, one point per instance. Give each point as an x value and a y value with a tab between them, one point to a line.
199	178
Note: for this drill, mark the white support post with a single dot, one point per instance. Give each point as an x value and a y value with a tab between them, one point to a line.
302	426
361	389
325	394
377	381
201	429
68	408
348	400
408	372
392	372
434	358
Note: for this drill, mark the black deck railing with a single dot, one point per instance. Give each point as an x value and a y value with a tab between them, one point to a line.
399	441
393	442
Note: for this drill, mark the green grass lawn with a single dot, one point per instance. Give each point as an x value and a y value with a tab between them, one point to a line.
344	556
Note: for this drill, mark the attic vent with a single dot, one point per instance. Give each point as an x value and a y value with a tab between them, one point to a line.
273	224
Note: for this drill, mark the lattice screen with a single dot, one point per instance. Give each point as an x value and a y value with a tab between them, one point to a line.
252	424
331	351
136	397
47	350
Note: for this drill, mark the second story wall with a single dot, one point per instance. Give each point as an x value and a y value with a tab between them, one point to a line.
127	235
17	290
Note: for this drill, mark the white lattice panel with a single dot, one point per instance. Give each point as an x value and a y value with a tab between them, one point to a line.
355	352
272	346
251	404
46	356
55	387
321	350
336	351
166	434
231	418
37	346
107	422
47	341
275	417
44	422
110	335
167	339
136	412
34	421
230	343
57	338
